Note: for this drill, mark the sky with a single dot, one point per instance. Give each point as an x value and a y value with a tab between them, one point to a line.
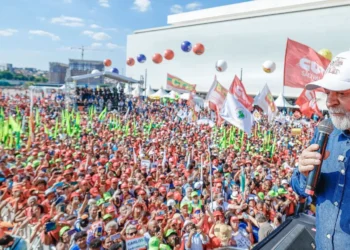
36	32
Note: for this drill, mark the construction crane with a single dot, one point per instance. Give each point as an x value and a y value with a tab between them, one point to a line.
82	49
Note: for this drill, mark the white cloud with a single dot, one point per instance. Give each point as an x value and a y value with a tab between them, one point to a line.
95	26
142	5
68	21
44	33
98	36
8	32
193	6
88	32
176	9
113	46
104	3
96	45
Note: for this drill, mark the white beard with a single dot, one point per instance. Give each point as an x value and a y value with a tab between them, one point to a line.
341	123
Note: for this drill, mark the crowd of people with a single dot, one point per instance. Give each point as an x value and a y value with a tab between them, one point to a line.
153	177
101	98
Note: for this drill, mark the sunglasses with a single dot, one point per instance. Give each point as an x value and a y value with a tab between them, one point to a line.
132	234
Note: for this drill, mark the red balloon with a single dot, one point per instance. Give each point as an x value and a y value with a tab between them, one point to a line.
130	61
107	62
169	54
198	49
157	58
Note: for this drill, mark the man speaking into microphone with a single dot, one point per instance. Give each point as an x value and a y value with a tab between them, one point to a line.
332	188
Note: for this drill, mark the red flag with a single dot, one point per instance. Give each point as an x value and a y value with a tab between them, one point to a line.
215	108
302	65
238	91
307	103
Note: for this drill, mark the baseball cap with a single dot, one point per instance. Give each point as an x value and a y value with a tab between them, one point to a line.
153	243
63	230
170	232
336	76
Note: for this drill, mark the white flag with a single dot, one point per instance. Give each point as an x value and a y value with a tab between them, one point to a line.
236	114
265	101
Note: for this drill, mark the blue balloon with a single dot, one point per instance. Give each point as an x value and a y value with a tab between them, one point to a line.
115	70
186	46
141	58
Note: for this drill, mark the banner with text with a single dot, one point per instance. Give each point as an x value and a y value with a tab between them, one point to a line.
178	85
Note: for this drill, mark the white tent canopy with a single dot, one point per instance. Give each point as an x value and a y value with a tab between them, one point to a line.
198	100
137	91
128	89
148	91
172	95
281	102
159	94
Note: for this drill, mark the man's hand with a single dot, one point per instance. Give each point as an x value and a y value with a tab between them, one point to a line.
309	158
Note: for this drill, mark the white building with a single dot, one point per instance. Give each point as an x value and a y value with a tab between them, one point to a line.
245	35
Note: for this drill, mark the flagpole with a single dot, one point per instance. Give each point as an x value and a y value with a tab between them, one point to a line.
211	177
241	74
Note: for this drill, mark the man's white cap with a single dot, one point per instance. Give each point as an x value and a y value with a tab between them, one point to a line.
337	75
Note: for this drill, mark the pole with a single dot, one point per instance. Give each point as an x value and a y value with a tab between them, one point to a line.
211	177
31	101
145	79
241	74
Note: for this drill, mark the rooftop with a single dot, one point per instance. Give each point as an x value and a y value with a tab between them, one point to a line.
245	10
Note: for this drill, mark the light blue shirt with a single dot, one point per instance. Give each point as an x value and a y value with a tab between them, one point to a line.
333	194
18	244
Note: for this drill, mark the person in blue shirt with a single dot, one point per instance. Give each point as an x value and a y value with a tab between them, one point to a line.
333	189
9	242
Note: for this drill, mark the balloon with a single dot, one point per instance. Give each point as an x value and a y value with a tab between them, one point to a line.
130	61
115	70
326	53
269	66
107	62
186	46
169	54
157	58
221	65
141	58
198	49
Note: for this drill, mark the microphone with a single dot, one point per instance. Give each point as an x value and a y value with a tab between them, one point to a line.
325	128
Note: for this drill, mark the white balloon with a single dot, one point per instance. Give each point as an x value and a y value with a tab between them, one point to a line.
221	65
269	66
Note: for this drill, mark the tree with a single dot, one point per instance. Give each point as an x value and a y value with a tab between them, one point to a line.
6	75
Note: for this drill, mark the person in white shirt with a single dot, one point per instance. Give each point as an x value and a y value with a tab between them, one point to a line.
194	238
218	202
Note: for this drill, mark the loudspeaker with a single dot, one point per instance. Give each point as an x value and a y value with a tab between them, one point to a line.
296	233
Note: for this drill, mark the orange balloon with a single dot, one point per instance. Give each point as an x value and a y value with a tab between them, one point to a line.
130	61
157	58
107	62
198	49
169	54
